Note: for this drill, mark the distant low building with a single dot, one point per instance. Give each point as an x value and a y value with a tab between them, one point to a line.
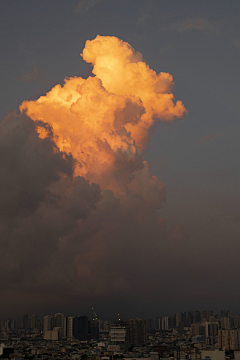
51	335
119	332
212	355
6	350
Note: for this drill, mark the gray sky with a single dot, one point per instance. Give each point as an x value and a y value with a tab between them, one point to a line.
192	262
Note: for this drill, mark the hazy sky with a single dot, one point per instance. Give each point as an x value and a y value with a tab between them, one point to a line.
69	243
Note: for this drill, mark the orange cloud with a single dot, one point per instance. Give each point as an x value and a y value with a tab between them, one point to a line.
103	121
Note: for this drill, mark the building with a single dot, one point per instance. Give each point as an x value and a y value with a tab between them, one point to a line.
213	329
236	355
59	320
181	328
106	326
236	321
51	335
47	323
68	327
164	323
196	316
184	318
204	315
25	322
93	329
210	313
225	323
212	354
119	332
80	327
137	331
5	351
33	321
172	322
178	319
229	339
203	329
195	329
39	326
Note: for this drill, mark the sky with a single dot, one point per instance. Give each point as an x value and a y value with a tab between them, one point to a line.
113	191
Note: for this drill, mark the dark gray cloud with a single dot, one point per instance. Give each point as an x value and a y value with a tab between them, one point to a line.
59	234
66	243
85	5
34	75
40	203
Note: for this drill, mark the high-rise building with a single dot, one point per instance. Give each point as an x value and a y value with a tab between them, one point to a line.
184	318
189	317
212	319
181	328
213	329
8	325
204	315
59	320
80	327
119	332
137	331
107	325
196	316
236	320
225	323
178	319
68	327
39	325
59	323
47	323
93	329
33	321
172	322
195	329
210	313
223	313
25	322
164	323
229	339
203	328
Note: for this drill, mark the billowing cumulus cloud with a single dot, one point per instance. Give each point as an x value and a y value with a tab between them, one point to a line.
77	196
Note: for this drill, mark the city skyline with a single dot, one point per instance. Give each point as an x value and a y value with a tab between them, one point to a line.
194	315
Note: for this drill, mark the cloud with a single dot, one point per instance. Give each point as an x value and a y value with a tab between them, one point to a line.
40	202
193	24
85	5
77	197
34	75
208	138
